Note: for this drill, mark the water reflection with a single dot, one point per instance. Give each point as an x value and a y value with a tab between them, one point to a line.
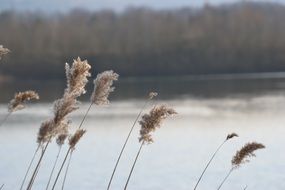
167	87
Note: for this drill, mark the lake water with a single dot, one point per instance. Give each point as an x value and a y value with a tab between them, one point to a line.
208	111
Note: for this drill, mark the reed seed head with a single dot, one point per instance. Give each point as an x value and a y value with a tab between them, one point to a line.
103	87
64	106
73	140
151	95
3	51
77	76
231	135
61	138
20	98
243	155
150	122
45	131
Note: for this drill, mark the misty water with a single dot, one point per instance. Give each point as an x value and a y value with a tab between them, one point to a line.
208	110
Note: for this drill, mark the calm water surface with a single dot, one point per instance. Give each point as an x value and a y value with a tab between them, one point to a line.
181	149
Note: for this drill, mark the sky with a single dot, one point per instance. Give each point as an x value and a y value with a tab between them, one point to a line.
118	5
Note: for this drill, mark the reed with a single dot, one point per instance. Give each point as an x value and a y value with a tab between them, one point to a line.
29	167
150	97
19	101
102	89
66	170
73	140
242	156
149	123
229	136
76	81
60	141
1	186
3	51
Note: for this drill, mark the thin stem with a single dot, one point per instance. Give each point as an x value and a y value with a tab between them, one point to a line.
2	186
5	118
209	162
85	115
225	178
125	143
66	171
129	177
54	164
58	174
245	187
29	167
37	167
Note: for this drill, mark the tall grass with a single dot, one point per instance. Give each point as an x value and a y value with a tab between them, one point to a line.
150	97
149	123
58	126
18	102
241	157
230	136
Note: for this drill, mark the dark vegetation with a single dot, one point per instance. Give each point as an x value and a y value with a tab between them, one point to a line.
235	38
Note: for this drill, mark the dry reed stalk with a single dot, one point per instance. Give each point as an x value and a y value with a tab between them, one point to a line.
242	157
66	171
53	168
76	81
60	141
229	136
29	167
3	51
133	166
150	97
149	123
5	118
1	186
73	140
18	102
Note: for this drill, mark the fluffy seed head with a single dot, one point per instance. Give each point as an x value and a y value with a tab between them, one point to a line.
63	107
231	135
103	87
45	131
61	138
245	153
73	140
77	77
20	98
3	51
151	121
151	95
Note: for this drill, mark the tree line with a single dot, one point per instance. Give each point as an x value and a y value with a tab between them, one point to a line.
234	38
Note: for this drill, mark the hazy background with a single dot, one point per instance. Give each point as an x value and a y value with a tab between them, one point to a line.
142	41
219	63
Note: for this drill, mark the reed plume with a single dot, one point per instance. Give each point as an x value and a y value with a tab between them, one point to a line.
150	97
18	102
103	87
242	156
229	136
3	51
149	123
73	140
76	80
77	77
